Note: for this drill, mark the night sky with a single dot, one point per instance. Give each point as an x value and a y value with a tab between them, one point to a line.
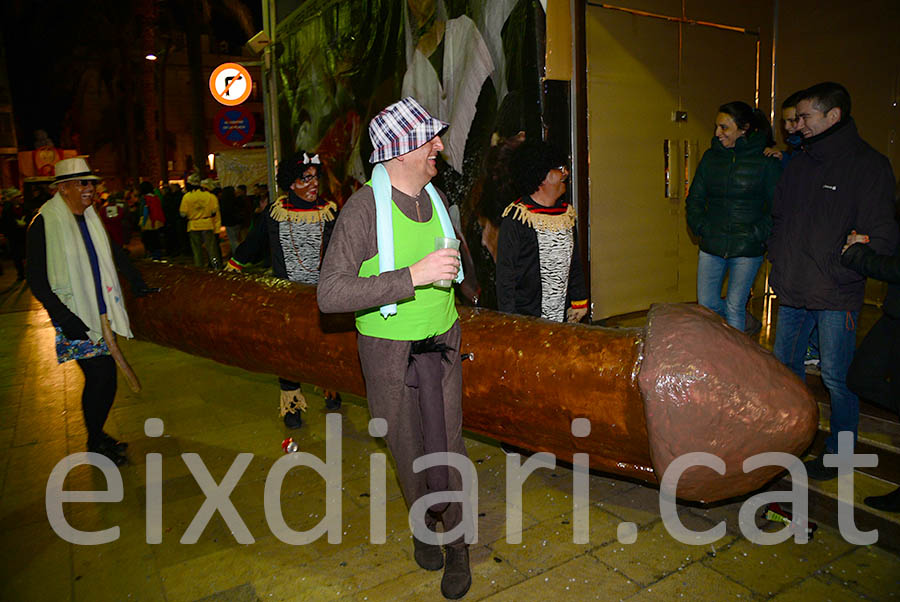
49	43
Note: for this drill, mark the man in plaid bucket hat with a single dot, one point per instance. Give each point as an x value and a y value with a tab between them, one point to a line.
381	264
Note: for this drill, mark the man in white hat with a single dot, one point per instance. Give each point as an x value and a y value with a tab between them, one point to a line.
71	270
381	264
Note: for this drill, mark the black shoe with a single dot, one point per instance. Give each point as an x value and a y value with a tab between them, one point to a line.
428	556
333	403
103	448
888	503
119	446
752	325
293	420
817	471
457	577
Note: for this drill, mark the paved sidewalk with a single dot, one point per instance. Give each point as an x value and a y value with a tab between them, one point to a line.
218	412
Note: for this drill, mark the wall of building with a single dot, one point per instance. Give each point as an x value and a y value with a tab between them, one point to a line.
856	44
641	70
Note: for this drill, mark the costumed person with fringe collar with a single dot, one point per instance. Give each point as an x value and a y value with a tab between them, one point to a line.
71	270
538	267
295	230
381	264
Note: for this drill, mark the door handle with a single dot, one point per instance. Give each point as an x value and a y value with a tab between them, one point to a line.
667	173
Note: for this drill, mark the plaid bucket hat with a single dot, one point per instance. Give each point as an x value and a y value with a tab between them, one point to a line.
400	128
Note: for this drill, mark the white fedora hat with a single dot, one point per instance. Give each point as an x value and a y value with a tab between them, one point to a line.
74	168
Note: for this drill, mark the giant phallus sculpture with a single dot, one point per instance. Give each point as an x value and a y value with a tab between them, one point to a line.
685	383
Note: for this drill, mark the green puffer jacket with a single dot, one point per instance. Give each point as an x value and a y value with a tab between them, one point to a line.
729	206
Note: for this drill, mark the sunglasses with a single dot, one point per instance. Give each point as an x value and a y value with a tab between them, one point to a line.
84	183
308	177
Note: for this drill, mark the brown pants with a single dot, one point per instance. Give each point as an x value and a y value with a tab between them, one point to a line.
384	365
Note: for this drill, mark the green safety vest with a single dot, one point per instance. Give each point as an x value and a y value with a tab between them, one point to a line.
432	310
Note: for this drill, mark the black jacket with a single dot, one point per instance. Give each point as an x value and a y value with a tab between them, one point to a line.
863	259
837	184
39	283
518	277
729	205
228	206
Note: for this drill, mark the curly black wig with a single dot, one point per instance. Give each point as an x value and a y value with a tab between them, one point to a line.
531	162
291	168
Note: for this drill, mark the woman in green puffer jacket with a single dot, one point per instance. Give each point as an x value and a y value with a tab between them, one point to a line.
729	209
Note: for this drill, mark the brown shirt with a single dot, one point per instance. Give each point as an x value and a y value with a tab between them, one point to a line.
354	240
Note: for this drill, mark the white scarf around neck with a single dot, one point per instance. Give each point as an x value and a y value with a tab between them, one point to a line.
69	268
384	224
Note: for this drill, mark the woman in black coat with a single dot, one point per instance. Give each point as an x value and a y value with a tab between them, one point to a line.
729	209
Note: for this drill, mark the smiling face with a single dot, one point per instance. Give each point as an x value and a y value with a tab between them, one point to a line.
78	194
307	185
811	121
789	116
423	160
727	130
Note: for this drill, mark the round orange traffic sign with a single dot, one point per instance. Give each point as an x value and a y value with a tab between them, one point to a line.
230	84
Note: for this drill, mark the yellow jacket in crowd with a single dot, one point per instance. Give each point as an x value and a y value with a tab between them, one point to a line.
201	208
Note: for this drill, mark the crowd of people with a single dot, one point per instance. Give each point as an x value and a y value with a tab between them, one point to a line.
155	214
823	210
193	221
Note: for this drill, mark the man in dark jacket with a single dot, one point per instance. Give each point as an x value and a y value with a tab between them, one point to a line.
71	270
875	371
837	185
175	230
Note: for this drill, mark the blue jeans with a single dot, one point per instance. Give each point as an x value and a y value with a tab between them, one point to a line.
837	340
741	273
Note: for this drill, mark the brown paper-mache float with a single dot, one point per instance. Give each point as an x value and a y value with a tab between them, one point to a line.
685	383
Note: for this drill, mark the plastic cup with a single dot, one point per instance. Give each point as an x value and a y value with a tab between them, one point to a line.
442	242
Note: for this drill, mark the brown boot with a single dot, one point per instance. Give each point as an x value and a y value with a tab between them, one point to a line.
428	556
457	578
